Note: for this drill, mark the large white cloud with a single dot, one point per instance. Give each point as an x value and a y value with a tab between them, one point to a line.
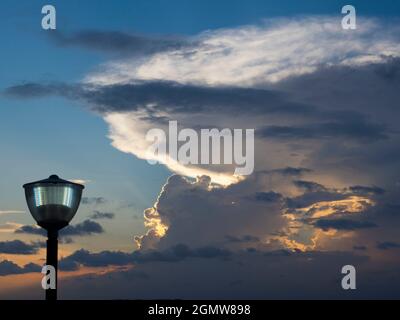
276	55
252	55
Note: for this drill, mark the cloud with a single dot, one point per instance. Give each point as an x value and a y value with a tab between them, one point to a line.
79	181
131	109
271	275
168	96
133	103
8	267
362	248
85	228
290	171
387	245
363	190
317	197
313	200
234	217
102	215
93	200
85	258
38	90
309	186
9	226
118	42
359	130
176	253
268	196
195	213
269	52
245	238
4	212
19	247
31	230
343	224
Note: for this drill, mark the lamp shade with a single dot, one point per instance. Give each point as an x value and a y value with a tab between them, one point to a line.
53	202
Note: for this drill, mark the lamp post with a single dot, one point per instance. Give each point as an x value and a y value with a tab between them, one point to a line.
53	203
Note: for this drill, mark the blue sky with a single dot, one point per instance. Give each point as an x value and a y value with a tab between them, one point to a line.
54	134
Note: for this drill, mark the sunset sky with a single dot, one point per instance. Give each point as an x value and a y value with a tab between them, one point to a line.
324	102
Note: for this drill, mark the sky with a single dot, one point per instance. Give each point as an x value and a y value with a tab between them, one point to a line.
78	101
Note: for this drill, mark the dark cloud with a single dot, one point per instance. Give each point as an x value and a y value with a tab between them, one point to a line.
363	190
210	252
309	198
309	121
315	192
93	200
19	247
174	97
281	253
362	248
391	209
32	267
309	186
386	245
290	171
102	215
268	196
31	230
38	90
117	258
256	275
242	239
169	96
364	89
118	42
8	267
359	129
321	121
343	224
85	228
180	252
101	259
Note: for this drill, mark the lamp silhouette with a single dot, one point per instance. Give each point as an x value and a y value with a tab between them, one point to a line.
53	202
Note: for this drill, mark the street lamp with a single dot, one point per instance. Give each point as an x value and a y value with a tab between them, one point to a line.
53	203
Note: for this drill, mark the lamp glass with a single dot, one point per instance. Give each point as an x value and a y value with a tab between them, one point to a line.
53	202
62	195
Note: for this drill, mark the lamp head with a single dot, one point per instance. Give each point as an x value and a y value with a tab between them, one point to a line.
53	202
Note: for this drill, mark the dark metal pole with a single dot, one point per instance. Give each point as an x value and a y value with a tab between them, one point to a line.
52	260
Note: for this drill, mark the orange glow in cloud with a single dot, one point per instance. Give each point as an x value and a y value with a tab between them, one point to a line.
303	237
353	204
